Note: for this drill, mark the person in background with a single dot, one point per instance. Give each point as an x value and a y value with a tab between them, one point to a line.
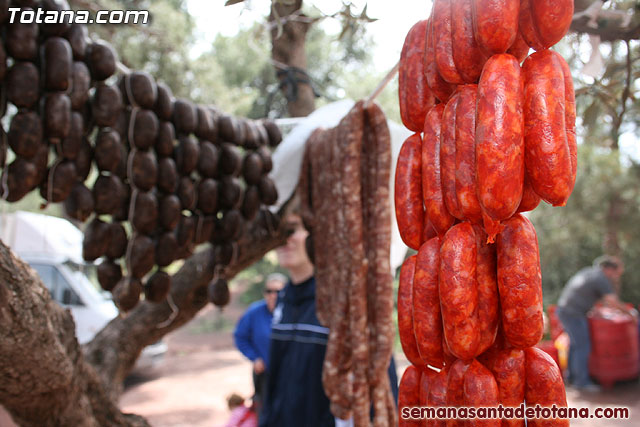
580	294
253	332
241	415
294	393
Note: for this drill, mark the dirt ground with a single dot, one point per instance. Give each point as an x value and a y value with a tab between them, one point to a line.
202	367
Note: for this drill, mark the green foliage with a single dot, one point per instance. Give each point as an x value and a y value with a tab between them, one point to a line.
253	278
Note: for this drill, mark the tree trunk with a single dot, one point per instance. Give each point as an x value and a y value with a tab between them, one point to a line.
288	32
46	379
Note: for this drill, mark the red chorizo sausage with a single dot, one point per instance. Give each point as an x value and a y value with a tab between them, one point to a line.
519	48
408	394
570	114
495	24
486	277
481	390
427	321
455	389
520	282
547	157
408	192
544	386
551	19
466	154
499	137
448	156
438	214
458	291
405	312
530	200
413	92
428	231
507	367
526	26
425	383
439	87
467	55
442	41
437	396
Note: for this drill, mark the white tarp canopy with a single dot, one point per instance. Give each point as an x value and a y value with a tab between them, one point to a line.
32	233
287	160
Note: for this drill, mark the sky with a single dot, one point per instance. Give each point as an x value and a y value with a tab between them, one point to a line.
395	18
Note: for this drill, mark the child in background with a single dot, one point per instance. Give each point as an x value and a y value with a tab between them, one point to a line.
241	415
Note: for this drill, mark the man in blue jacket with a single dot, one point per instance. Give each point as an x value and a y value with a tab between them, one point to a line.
253	332
295	396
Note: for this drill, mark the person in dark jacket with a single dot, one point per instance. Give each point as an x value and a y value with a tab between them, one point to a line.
253	333
294	395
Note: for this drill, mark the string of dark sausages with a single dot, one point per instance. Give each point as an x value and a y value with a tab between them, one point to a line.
344	195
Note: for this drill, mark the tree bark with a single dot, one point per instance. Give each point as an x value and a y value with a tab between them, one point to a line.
46	379
609	26
288	33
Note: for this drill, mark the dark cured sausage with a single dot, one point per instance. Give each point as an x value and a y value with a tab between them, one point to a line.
499	139
448	156
486	277
414	93
507	367
481	390
409	394
544	386
442	41
455	389
437	212
439	87
520	282
405	312
547	157
458	291
570	114
466	154
495	24
427	321
437	396
467	55
408	192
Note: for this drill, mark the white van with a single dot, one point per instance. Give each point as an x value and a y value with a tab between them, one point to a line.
53	248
